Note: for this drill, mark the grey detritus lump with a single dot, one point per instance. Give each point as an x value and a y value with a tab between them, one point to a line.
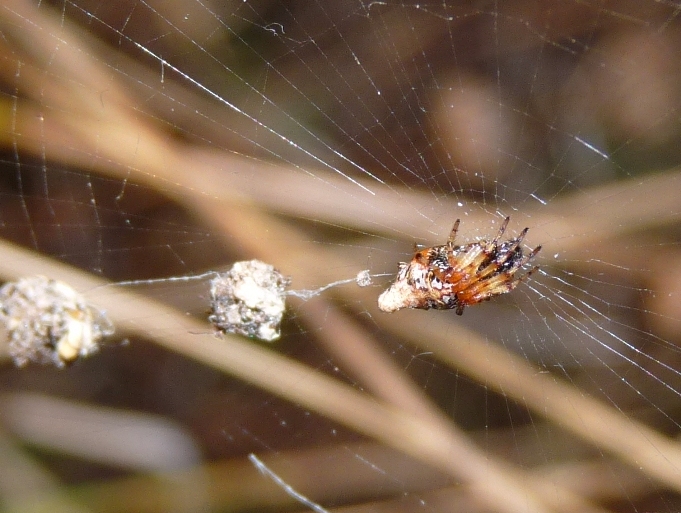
250	298
48	322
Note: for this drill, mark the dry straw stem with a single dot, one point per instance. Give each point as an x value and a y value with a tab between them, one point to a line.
514	377
111	137
610	430
405	431
235	485
249	227
93	122
22	477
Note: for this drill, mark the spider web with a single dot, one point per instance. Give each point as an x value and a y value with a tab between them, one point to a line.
148	143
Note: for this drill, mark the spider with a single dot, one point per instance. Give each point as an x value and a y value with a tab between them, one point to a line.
451	277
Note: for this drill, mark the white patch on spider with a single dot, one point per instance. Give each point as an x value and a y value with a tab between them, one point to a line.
48	322
249	299
407	290
399	295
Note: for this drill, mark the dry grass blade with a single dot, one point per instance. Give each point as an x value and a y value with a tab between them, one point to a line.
108	135
400	429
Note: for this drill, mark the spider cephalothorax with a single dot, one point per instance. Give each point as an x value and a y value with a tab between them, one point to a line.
452	277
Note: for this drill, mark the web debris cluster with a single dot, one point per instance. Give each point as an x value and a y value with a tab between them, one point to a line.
48	322
250	298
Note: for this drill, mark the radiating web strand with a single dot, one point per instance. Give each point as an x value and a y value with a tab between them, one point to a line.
572	321
290	491
628	345
322	111
164	63
255	120
171	279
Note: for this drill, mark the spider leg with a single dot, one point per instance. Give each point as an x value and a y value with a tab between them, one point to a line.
501	230
485	287
530	256
515	243
504	287
508	254
518	263
520	237
491	246
510	251
493	266
512	245
527	274
525	261
452	234
497	285
471	261
534	253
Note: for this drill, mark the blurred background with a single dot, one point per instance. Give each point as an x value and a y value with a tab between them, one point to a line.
147	142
